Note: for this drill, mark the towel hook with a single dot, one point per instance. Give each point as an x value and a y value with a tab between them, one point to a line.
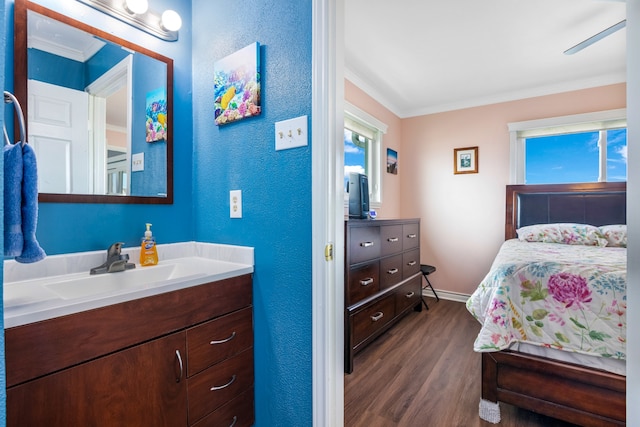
8	99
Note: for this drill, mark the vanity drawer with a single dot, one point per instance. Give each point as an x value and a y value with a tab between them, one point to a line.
390	271
408	295
372	318
218	339
410	236
217	385
237	413
364	244
410	263
391	239
364	281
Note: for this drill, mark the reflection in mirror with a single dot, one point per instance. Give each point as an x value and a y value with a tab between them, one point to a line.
98	111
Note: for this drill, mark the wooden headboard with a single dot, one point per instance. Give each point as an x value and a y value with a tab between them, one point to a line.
600	203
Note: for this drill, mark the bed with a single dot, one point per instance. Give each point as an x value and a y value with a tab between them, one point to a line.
562	350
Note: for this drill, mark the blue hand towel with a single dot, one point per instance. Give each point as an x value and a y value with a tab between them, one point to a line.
13	239
31	250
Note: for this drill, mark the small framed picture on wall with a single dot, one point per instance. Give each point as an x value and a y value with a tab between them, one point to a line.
465	160
392	161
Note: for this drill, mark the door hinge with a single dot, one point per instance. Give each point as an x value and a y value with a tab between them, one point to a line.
328	252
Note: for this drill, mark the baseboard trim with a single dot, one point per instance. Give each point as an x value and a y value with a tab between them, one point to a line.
451	296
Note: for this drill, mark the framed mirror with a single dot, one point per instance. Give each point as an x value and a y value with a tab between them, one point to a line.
98	111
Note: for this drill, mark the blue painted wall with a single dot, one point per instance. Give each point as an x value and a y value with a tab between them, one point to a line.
276	188
3	383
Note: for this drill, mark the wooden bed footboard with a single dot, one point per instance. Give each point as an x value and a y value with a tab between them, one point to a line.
569	392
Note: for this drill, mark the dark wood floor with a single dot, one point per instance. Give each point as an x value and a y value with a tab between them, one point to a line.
424	372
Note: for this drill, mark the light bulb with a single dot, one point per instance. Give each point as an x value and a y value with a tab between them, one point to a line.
171	21
136	6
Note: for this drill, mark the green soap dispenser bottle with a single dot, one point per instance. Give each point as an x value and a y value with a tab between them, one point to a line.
148	250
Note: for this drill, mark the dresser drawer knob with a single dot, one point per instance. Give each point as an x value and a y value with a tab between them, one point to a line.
366	282
379	315
366	244
410	295
220	387
234	421
392	271
411	263
232	336
412	236
392	239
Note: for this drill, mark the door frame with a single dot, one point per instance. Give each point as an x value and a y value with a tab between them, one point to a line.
328	216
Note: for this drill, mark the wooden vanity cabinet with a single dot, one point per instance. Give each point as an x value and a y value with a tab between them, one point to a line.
382	278
180	358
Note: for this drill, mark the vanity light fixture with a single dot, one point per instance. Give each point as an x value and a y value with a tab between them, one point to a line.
137	14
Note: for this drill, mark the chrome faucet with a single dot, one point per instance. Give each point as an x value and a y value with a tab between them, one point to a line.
116	261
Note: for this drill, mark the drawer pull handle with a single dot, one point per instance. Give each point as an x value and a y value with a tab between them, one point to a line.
392	271
235	420
366	282
220	387
410	295
179	364
366	244
233	335
411	263
379	315
412	236
392	239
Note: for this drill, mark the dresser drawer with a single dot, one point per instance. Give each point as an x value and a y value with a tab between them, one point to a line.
364	244
218	384
372	318
410	236
391	239
408	295
237	413
410	263
364	281
218	339
390	271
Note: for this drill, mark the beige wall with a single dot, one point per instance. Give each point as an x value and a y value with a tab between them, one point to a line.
462	216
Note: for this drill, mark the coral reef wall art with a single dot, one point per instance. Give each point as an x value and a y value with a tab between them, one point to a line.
237	85
156	120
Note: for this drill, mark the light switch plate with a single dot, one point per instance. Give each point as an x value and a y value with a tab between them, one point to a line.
235	204
137	162
291	133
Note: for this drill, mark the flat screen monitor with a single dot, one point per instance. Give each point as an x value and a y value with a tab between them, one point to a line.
358	195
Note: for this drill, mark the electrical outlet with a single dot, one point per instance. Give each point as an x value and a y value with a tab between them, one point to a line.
291	133
235	203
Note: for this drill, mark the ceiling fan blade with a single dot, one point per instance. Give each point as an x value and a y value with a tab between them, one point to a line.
591	40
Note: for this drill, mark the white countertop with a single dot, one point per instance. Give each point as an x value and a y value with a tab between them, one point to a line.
36	292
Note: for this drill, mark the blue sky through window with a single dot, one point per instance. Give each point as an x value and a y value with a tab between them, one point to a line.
574	157
354	157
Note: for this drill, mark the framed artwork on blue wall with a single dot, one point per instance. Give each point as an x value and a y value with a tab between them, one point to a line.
237	85
156	115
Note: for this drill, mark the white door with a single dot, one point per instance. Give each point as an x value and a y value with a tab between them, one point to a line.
59	135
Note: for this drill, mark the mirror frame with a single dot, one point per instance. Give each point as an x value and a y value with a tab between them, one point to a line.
20	91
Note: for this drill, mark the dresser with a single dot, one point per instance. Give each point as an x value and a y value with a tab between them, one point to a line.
382	278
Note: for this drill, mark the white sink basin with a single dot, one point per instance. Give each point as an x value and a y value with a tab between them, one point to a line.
46	296
140	277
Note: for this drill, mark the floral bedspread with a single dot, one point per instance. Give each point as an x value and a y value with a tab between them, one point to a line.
566	297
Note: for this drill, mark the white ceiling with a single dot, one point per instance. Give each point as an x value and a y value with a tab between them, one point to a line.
424	56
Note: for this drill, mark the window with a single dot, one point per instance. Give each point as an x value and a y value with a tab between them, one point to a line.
581	148
362	149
